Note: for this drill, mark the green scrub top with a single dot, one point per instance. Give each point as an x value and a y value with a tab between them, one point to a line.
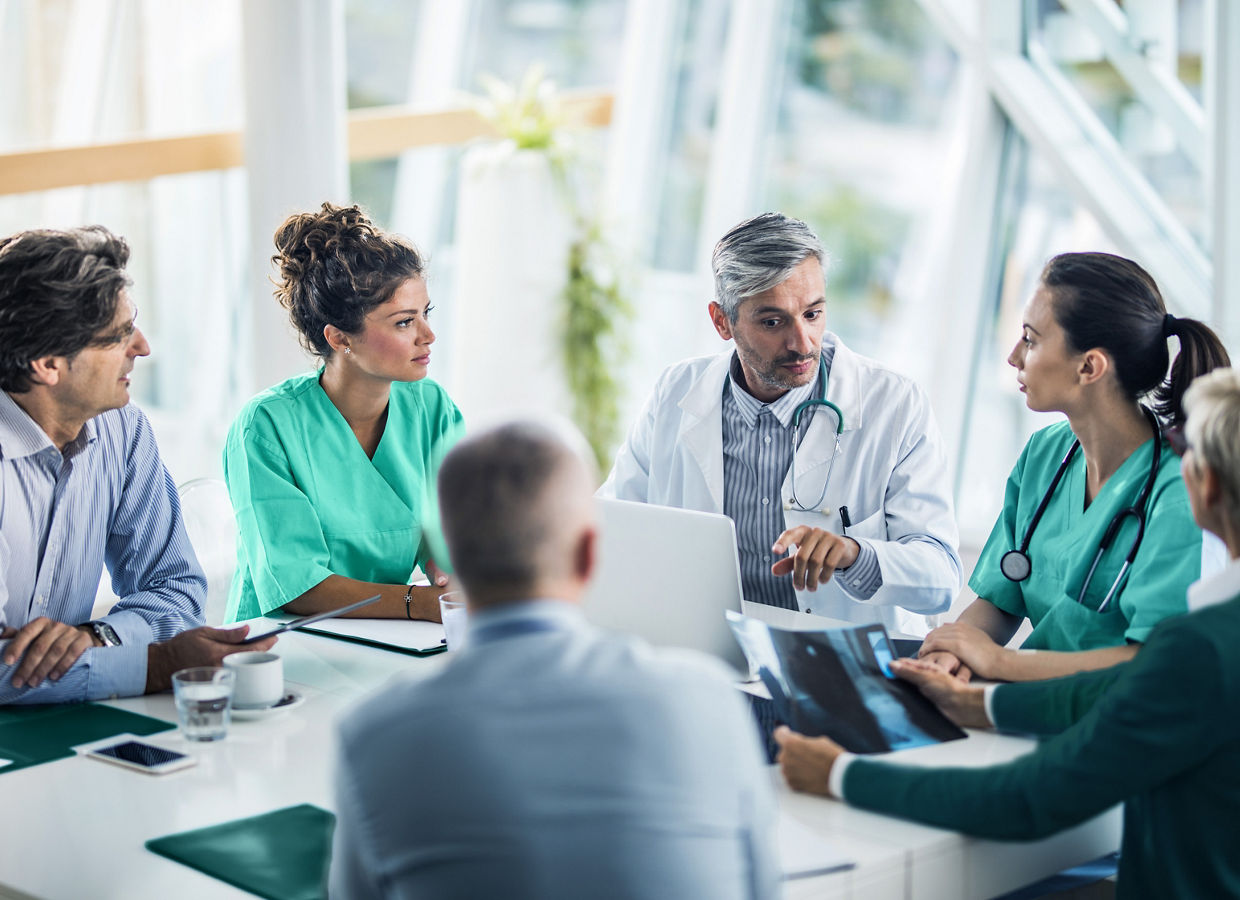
1067	538
310	504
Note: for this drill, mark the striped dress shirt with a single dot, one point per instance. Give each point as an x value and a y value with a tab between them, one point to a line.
757	451
107	499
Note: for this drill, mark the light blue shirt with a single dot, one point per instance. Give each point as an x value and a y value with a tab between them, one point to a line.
552	760
757	451
106	499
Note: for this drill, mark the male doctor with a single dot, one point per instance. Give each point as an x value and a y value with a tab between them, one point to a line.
807	446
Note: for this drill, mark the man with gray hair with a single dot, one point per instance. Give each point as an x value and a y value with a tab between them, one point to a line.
803	443
548	759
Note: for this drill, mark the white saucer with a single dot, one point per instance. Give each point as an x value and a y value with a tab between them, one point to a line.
291	700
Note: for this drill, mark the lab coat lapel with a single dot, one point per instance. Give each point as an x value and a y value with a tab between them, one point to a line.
701	431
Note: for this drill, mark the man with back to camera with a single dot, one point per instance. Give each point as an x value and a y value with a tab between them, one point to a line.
548	759
82	484
872	524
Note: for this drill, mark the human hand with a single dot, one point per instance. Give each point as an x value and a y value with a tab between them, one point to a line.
438	577
197	647
819	554
963	704
948	663
46	648
806	762
974	649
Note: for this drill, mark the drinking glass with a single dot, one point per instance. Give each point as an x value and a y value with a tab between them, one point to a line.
454	615
204	700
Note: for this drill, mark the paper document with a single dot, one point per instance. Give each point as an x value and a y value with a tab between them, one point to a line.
804	854
399	634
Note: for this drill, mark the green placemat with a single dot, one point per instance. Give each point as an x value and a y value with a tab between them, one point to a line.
281	855
30	735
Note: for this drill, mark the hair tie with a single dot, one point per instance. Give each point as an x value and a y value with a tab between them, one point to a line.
1169	327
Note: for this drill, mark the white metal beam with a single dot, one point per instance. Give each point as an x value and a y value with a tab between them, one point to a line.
1223	184
1060	127
749	86
638	122
295	146
435	68
1152	80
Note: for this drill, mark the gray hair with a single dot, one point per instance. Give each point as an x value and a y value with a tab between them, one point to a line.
758	254
1213	405
511	499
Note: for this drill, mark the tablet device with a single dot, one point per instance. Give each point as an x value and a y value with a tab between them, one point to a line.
306	620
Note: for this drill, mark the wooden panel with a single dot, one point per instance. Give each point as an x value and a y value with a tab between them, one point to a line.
42	170
386	131
373	133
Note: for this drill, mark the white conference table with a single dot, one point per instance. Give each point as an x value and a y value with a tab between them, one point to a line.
76	827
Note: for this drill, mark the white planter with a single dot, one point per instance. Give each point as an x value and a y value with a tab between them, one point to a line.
512	238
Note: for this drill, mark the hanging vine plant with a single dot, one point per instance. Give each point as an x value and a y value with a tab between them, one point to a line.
593	304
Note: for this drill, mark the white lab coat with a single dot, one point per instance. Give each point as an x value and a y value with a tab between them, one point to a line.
891	473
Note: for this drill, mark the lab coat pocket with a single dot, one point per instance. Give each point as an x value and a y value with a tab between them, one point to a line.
873	527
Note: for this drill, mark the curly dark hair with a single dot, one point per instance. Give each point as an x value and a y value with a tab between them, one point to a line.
58	295
335	267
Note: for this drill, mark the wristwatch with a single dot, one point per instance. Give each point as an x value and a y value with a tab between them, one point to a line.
106	634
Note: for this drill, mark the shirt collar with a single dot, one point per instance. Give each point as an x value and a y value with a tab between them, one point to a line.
21	435
781	408
1217	588
560	613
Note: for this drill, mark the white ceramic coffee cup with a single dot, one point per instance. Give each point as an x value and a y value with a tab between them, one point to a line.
260	679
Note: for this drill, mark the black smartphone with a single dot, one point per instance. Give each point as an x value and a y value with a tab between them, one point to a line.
135	754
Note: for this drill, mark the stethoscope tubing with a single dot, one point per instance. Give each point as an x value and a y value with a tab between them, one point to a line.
1016	564
795	501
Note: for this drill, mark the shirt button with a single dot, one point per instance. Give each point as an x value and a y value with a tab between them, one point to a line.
766	501
809	610
767	439
766	559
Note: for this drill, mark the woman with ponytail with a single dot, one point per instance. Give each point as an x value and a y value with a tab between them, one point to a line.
1094	345
331	472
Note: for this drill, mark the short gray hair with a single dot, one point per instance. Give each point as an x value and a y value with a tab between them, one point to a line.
1213	405
758	254
510	498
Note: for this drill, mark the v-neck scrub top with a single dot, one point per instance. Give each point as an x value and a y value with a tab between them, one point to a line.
310	504
1067	538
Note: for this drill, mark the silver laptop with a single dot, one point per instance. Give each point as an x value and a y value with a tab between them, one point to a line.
667	575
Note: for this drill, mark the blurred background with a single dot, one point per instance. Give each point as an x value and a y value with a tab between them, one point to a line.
942	149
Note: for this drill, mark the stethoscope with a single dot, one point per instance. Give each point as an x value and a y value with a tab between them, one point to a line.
1016	565
794	501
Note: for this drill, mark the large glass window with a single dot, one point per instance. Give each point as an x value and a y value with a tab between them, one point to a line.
1162	40
858	144
115	70
1043	220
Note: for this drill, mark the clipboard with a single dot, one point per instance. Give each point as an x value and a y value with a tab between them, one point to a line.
413	638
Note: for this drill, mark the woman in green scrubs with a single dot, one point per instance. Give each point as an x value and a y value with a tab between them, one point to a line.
1093	345
331	473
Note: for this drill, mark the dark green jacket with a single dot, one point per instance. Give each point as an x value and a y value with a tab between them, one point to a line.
1160	733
